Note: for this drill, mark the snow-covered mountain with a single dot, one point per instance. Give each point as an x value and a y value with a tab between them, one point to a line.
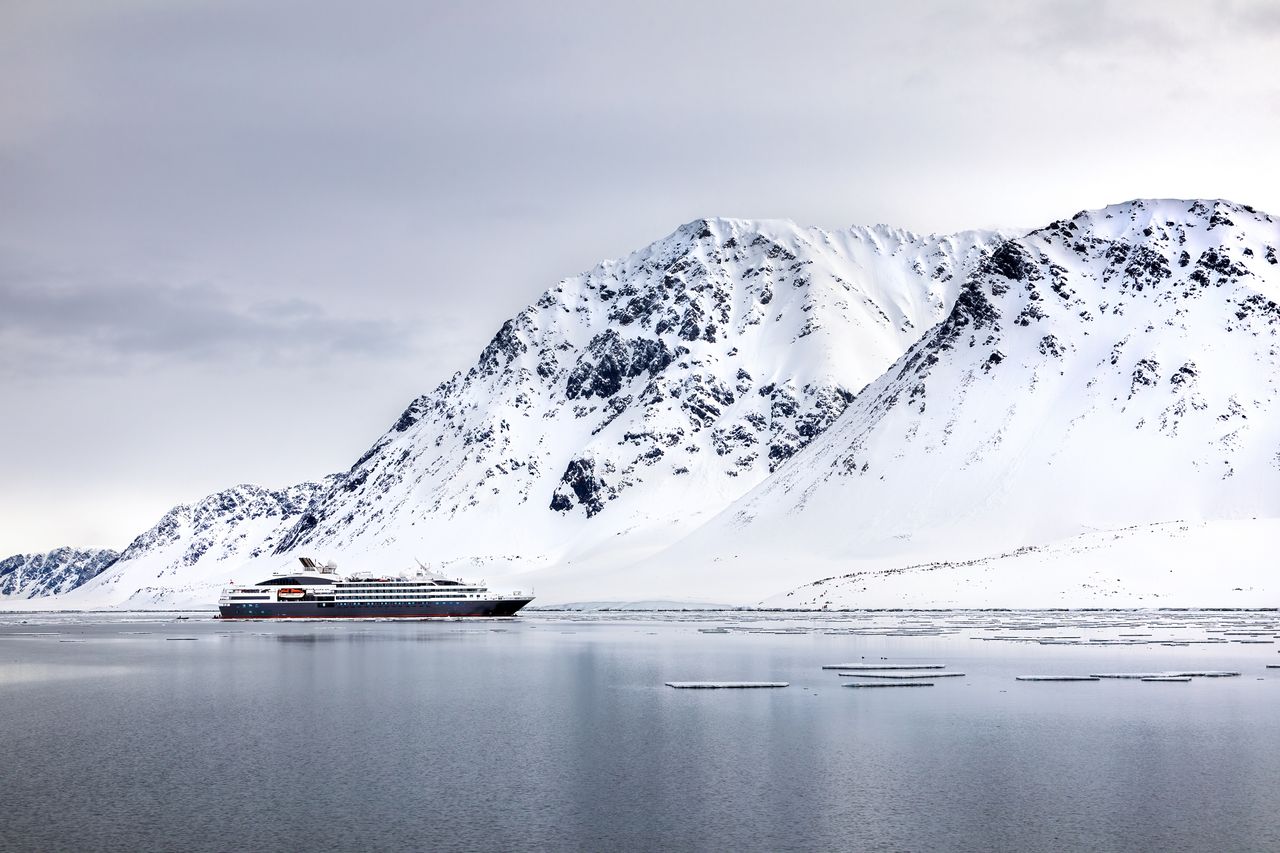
745	407
1119	368
59	570
629	404
196	547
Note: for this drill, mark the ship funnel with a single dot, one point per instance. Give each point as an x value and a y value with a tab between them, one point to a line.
328	568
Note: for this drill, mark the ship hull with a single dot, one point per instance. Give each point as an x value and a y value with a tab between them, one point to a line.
371	610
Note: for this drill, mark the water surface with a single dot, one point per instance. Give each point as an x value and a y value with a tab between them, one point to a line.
555	732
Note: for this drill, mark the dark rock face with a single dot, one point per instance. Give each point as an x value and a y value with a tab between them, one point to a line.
1184	375
1011	261
60	570
411	415
505	346
1215	266
1261	306
1050	346
973	311
611	360
581	484
1146	267
1145	374
1030	314
292	537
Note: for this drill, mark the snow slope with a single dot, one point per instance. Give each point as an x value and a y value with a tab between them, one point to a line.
1174	564
744	407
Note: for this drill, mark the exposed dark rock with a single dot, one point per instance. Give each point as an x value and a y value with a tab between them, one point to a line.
690	330
1011	261
1028	314
1050	346
411	415
612	409
1146	267
972	311
1184	375
1219	218
639	308
582	485
726	441
1145	373
610	360
1219	262
1257	304
505	347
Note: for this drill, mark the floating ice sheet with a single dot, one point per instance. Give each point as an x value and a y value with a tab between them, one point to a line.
1147	676
901	676
873	667
724	685
1209	673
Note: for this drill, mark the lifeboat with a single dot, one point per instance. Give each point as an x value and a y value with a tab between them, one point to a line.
290	593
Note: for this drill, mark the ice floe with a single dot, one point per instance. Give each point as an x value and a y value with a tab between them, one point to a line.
724	685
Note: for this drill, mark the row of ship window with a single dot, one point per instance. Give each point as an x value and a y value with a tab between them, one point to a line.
360	600
360	596
355	588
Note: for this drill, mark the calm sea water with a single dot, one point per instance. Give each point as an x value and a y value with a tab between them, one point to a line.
555	732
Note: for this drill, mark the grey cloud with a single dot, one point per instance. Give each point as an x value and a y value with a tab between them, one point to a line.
1115	32
1249	17
59	325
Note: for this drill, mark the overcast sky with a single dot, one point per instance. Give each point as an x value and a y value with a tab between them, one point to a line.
236	238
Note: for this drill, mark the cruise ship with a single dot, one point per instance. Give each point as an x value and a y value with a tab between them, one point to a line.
319	592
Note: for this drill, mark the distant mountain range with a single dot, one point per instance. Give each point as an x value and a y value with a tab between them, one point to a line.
745	408
60	570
